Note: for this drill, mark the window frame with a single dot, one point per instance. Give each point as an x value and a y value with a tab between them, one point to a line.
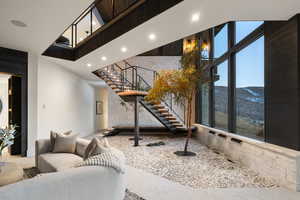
230	55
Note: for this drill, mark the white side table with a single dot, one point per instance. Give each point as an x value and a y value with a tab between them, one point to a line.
10	173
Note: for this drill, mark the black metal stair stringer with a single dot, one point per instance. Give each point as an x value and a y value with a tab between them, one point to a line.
154	113
109	74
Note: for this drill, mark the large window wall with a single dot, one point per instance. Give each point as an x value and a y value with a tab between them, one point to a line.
234	100
250	90
221	96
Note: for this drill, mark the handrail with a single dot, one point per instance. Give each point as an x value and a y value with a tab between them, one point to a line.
139	66
74	39
137	79
173	111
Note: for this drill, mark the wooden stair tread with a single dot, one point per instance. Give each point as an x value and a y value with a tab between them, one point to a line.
158	106
170	118
174	121
166	114
133	93
122	88
178	125
163	111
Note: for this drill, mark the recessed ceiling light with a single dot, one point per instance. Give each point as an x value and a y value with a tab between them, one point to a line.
80	39
124	49
103	58
18	23
195	17
89	65
152	36
94	23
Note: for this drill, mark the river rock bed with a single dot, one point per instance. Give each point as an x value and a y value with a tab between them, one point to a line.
208	169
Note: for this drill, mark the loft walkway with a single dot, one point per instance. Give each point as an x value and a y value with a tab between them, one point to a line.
102	22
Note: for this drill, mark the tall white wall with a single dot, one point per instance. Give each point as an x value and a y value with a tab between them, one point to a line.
65	101
32	102
102	119
4	99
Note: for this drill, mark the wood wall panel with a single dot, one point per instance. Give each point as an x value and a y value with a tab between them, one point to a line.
16	63
282	83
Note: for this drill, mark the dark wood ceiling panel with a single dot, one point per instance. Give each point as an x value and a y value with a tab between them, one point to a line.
139	15
127	19
121	5
105	8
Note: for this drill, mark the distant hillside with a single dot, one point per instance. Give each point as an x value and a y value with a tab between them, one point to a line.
250	102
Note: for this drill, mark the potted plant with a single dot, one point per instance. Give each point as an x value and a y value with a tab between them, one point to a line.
7	136
182	84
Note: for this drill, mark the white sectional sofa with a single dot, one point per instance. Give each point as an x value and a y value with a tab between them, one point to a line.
64	182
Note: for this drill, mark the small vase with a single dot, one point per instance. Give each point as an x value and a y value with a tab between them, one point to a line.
2	160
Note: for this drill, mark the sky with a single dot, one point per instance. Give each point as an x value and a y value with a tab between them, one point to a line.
249	61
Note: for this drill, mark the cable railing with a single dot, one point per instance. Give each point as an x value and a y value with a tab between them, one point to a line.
99	15
131	78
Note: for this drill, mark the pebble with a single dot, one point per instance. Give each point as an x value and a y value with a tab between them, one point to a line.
206	170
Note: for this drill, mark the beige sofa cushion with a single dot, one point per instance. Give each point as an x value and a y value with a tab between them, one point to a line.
53	137
65	143
95	147
54	162
81	145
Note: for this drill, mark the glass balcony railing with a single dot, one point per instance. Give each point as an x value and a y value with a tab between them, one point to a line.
100	13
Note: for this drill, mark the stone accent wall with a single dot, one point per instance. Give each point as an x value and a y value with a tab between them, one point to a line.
278	163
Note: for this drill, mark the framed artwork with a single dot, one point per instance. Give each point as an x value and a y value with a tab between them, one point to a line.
99	107
1	106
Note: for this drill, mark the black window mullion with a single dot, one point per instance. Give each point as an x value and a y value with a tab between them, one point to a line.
212	78
76	40
252	37
231	79
199	89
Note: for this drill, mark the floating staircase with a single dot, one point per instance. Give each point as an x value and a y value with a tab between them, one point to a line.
127	80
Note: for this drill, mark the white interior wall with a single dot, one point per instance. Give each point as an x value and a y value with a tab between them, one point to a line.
65	101
102	119
58	100
4	99
32	102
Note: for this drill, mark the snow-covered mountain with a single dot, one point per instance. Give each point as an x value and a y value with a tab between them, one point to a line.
250	102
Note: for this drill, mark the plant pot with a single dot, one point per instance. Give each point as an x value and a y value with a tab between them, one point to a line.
2	160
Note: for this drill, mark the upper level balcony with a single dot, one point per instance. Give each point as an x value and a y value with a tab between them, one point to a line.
102	22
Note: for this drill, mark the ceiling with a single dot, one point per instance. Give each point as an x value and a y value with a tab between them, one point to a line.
47	20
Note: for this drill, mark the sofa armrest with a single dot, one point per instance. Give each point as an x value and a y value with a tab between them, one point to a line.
41	146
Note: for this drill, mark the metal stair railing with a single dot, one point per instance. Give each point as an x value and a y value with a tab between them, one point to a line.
130	76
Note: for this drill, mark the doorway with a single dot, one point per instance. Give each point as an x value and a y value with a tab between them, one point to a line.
15	64
11	108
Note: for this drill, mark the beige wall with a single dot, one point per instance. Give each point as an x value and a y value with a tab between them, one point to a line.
102	120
